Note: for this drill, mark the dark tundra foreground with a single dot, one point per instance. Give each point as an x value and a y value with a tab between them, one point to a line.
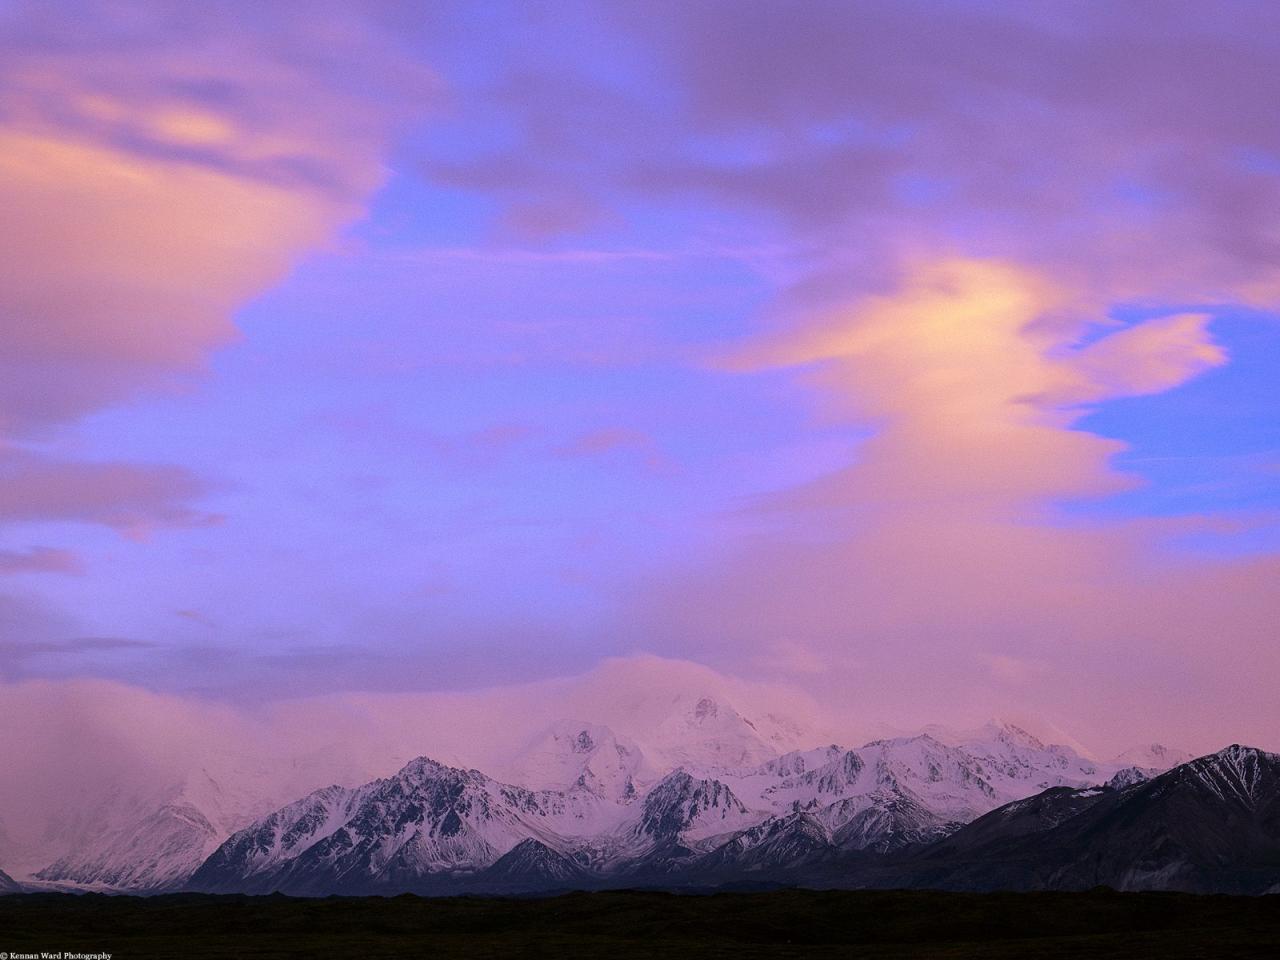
785	923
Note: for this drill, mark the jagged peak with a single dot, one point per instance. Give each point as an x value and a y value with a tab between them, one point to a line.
680	781
424	768
1012	733
798	762
582	736
1234	774
1128	777
922	738
1237	752
680	798
1154	756
1232	760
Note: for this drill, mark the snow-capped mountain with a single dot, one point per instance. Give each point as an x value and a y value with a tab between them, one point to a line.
150	841
155	852
427	820
686	808
1153	756
1127	778
704	787
432	821
709	734
890	794
909	789
588	756
588	813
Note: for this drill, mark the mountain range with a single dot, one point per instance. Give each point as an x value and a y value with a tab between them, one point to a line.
718	802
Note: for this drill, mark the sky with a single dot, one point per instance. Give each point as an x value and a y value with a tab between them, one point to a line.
918	360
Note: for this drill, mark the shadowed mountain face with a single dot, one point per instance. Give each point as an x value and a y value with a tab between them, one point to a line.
8	884
1210	825
530	862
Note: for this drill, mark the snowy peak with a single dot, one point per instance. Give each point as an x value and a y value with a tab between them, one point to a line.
683	807
832	779
779	843
1012	734
1154	757
150	836
530	861
428	818
573	755
708	734
797	762
888	823
1128	777
1237	774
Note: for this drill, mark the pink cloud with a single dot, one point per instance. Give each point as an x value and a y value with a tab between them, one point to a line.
936	575
132	499
40	560
1133	157
151	186
607	440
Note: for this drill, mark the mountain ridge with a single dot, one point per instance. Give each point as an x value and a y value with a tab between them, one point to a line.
595	808
876	813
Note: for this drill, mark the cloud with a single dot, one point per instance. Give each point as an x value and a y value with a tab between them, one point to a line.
788	658
150	186
1014	670
974	400
962	195
942	559
1134	157
17	651
608	440
1149	357
132	499
40	560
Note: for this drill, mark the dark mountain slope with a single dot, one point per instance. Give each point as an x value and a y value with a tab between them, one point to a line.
1210	825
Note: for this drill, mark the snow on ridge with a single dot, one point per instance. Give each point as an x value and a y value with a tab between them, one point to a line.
581	786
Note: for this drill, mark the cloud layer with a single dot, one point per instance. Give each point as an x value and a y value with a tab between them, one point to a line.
457	344
940	572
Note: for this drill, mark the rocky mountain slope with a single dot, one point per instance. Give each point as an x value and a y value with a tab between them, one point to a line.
8	884
1208	825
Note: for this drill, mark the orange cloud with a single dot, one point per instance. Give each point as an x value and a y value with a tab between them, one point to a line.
975	394
149	188
938	567
127	259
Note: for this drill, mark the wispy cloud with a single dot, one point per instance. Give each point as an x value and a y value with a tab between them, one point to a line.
40	560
